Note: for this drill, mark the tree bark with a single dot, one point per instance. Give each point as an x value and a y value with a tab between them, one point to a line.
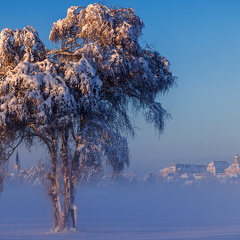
59	223
73	184
66	171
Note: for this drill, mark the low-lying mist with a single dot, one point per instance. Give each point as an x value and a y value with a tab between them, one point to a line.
128	211
163	204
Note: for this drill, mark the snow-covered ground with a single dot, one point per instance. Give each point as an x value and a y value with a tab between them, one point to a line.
127	212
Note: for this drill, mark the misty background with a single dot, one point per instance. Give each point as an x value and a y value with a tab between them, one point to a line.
142	211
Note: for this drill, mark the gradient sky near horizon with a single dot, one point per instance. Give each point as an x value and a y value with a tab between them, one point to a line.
201	39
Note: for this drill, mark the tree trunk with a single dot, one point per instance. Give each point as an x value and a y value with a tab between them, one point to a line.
66	171
58	214
73	185
1	181
59	223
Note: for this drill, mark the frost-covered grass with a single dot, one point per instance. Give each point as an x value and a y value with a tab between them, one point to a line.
143	212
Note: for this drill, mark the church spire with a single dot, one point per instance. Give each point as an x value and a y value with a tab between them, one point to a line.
236	158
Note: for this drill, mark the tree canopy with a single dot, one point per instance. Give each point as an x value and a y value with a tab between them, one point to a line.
75	98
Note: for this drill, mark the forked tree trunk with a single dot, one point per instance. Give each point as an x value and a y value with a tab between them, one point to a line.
65	175
66	218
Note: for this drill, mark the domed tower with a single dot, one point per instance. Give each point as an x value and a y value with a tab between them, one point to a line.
236	159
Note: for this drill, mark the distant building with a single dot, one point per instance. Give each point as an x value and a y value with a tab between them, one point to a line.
183	168
217	167
233	169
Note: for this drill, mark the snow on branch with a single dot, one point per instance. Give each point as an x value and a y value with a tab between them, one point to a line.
20	45
83	89
98	23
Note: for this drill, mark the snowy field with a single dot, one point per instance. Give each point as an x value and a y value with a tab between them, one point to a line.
127	212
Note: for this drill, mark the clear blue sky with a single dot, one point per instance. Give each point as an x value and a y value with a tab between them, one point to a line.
201	39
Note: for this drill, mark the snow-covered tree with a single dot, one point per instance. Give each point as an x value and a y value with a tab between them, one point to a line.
75	99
